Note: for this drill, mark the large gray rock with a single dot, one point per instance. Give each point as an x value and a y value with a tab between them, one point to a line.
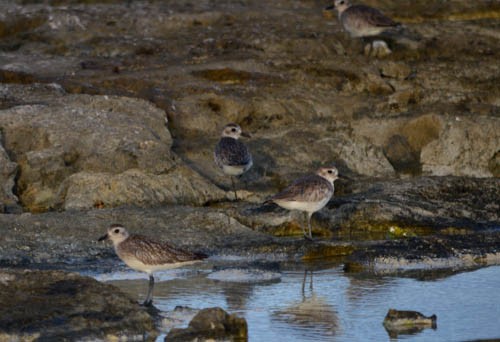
81	151
419	204
467	146
55	305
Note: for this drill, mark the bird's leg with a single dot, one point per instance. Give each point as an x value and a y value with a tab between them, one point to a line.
234	189
311	283
308	237
304	283
302	226
149	297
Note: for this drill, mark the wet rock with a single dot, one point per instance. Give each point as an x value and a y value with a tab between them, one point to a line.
36	239
211	323
54	305
398	322
409	255
432	202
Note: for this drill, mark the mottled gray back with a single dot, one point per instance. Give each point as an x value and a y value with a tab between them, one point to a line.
232	152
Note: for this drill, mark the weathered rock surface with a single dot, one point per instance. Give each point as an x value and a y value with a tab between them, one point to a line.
286	74
409	208
54	305
428	203
81	151
212	323
86	89
7	173
441	252
289	76
414	206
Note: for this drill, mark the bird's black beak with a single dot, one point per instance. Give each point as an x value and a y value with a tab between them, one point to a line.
104	237
246	135
329	8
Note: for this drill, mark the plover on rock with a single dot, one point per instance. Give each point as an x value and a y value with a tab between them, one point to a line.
231	155
309	194
360	20
147	255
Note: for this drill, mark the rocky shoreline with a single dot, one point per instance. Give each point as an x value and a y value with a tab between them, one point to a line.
109	113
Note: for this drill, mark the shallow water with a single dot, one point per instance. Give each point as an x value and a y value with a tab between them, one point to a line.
278	303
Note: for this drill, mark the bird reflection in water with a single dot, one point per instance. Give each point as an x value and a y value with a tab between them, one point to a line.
312	314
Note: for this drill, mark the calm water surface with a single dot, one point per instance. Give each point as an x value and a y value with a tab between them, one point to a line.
338	306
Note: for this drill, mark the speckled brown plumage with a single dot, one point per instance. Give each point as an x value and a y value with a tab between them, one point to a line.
312	188
152	252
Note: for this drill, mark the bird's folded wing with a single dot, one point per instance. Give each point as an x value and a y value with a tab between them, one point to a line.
374	17
232	152
307	189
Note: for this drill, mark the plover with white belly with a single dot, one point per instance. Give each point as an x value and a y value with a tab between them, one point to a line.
231	155
309	194
144	254
361	20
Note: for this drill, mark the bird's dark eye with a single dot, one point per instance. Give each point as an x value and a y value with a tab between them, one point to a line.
233	130
117	231
342	2
330	171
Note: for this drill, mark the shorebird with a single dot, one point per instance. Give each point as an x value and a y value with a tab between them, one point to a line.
309	194
231	155
144	254
360	20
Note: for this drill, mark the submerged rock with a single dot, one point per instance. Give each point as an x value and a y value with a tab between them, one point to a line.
245	275
54	305
398	322
212	323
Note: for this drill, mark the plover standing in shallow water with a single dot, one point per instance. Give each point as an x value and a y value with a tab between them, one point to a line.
231	155
360	20
308	194
147	255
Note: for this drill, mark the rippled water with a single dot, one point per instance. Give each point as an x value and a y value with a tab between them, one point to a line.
338	306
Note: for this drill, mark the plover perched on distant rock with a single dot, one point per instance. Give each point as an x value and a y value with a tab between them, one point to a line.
360	20
309	194
231	155
147	255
